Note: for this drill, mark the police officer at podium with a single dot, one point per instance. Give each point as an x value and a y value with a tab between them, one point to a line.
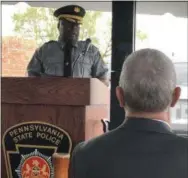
68	57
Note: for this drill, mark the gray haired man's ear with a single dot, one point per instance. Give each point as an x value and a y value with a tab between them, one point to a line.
120	96
175	96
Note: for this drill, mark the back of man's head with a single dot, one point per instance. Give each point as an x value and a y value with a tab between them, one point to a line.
148	81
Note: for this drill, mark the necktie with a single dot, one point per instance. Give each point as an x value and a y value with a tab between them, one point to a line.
67	60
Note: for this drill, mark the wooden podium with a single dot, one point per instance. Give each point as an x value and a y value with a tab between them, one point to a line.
74	105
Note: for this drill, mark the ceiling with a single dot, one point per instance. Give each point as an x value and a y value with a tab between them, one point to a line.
89	5
179	9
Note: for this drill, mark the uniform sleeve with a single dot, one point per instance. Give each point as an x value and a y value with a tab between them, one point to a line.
99	69
34	67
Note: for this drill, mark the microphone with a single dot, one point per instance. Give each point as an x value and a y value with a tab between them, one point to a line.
88	42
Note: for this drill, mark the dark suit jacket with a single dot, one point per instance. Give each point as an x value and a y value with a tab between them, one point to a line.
139	148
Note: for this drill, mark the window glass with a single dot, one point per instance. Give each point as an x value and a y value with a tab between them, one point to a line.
164	26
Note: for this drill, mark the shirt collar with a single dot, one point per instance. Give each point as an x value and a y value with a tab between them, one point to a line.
63	43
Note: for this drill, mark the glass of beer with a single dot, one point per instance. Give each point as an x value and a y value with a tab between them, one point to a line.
61	165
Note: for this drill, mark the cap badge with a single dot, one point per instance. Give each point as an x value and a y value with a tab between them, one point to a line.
77	9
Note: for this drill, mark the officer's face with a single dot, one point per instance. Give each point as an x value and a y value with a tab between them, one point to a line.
69	30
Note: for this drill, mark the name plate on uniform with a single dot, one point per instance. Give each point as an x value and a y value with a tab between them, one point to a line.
28	148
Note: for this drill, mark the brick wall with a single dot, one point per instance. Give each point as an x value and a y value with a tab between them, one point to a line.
16	53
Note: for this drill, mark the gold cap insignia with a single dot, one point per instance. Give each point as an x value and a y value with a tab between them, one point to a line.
77	9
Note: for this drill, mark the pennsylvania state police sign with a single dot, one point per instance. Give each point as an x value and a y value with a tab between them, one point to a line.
28	148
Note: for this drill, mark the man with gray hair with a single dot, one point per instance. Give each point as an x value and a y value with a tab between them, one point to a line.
144	146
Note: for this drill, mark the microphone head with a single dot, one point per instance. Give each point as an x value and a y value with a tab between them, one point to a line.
88	40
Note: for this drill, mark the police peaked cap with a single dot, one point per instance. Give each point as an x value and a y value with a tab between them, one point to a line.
72	13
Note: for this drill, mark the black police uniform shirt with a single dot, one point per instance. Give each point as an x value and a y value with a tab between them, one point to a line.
49	60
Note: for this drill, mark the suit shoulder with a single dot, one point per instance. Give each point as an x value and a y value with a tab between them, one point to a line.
182	139
99	142
178	142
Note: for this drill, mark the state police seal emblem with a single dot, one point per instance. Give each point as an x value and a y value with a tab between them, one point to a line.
35	165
